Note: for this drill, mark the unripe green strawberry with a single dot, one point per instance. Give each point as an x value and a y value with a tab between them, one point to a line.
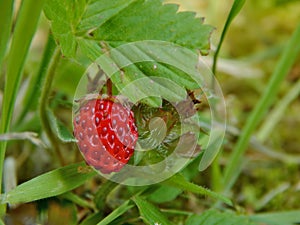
160	132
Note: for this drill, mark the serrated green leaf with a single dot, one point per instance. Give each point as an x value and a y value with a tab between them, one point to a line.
98	12
120	21
149	20
90	49
112	23
50	184
152	68
150	214
156	58
61	14
180	182
214	217
60	129
137	84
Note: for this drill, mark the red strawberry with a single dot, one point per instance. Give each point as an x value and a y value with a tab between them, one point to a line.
106	133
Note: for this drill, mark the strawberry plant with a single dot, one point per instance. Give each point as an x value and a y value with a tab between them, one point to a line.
112	113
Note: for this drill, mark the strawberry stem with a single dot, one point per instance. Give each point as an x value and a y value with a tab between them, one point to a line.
109	87
43	104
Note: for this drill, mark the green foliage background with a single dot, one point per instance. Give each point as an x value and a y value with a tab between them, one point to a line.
255	177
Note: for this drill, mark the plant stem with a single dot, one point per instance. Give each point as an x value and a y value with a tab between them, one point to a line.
43	104
109	87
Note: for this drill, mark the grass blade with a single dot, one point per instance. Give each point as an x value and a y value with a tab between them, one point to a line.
34	90
235	9
180	182
278	112
214	217
25	28
50	184
278	218
6	16
285	63
116	213
92	219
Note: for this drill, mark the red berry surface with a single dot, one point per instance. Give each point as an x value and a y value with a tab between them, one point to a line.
106	134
